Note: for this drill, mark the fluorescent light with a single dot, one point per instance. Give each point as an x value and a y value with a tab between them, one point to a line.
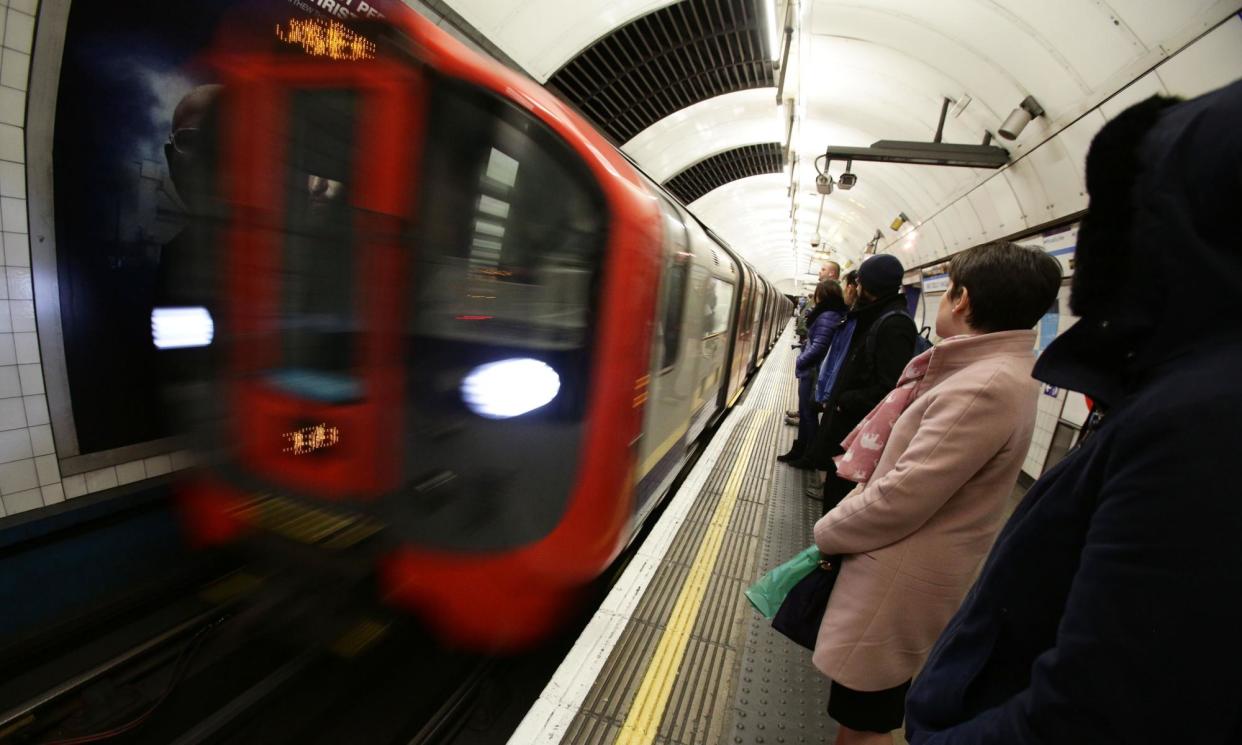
773	36
509	388
179	328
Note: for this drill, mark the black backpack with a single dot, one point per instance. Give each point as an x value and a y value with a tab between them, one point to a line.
922	339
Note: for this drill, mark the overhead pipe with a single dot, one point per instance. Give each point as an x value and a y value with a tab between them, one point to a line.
791	105
944	111
784	60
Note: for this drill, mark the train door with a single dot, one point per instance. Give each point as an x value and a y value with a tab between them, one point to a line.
743	338
673	372
718	347
318	179
760	321
773	313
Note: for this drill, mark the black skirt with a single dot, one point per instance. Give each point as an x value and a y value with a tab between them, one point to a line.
868	711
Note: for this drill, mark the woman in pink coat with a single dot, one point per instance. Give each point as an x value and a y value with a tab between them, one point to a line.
936	462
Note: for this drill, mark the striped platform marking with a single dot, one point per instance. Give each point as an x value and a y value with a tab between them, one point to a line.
553	712
644	716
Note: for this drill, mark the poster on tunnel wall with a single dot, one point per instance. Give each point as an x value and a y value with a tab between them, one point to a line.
132	87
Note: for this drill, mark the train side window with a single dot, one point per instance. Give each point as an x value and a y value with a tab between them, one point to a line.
674	301
676	274
719	303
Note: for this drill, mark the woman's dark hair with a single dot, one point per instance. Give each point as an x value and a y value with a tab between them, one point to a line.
851	277
828	293
1010	286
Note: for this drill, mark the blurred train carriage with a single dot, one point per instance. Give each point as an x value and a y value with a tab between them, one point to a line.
460	344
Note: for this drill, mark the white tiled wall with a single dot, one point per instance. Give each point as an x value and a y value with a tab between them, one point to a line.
29	476
1046	417
29	471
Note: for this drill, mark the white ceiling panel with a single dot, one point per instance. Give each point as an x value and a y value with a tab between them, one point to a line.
1029	189
1213	62
1057	175
680	140
1153	22
865	70
1080	36
1145	87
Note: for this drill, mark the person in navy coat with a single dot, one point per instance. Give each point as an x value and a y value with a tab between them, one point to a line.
822	325
1110	608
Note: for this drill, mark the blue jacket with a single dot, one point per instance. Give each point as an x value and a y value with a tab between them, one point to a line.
831	365
818	340
1110	608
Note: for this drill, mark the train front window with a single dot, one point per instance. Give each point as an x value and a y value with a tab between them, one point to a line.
510	229
317	316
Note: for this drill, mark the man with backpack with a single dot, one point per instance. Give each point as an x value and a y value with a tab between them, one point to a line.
881	340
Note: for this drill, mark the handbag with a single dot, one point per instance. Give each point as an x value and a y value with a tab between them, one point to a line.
802	611
769	592
795	594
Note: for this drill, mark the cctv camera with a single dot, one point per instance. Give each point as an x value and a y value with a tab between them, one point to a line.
815	242
847	180
823	184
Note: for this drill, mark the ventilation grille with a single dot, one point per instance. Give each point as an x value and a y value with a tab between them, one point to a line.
667	60
731	165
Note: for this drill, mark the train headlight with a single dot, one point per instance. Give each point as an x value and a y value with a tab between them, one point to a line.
178	328
509	388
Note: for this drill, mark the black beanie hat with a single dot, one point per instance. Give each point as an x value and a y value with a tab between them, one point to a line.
880	275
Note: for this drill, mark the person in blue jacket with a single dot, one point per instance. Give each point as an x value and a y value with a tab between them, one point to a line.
1110	608
822	324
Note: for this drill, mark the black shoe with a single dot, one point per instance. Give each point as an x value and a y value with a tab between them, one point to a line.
803	465
795	452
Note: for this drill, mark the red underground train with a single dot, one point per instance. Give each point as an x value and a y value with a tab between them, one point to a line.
459	345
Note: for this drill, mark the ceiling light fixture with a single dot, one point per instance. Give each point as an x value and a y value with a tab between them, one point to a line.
769	8
1020	117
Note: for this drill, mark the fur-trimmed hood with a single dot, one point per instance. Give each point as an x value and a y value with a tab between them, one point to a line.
1159	257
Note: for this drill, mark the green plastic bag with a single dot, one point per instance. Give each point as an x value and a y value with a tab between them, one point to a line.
769	592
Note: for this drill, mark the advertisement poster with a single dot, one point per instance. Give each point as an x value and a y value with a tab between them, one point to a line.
126	171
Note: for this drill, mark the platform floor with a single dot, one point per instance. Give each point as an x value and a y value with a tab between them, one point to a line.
676	654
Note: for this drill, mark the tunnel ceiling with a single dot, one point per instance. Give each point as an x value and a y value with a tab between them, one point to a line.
681	84
722	168
665	61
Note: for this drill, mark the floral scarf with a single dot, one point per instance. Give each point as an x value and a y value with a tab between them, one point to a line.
865	445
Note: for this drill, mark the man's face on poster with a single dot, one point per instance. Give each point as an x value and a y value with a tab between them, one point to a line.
187	152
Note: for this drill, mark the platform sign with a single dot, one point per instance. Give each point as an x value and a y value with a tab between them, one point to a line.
938	283
1061	244
129	167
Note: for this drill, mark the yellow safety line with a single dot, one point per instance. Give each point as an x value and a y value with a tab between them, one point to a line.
643	720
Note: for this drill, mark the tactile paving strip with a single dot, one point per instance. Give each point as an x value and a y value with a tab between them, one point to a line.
780	697
739	681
